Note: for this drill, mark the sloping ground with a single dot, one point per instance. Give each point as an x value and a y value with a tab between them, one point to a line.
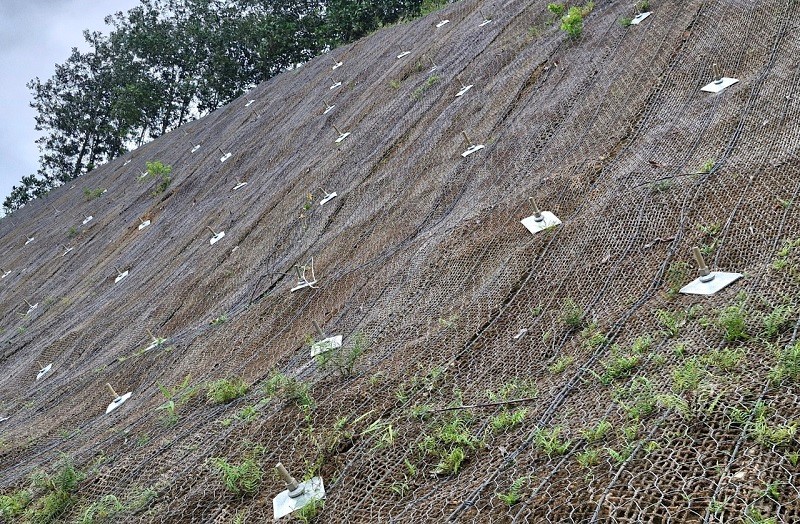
423	256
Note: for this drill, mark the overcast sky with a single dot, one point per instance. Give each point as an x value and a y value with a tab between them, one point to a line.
34	36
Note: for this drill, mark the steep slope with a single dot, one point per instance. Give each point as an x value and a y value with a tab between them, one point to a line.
422	256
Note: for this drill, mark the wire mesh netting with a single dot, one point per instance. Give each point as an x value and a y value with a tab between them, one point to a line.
635	403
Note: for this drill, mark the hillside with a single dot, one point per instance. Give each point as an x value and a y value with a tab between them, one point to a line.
422	264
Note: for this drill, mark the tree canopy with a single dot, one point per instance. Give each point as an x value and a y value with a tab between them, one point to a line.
166	62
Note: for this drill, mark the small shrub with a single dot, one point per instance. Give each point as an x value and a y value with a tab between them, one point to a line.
417	94
507	420
625	21
598	432
776	321
310	511
225	390
12	506
572	314
561	364
161	171
619	365
241	479
394	84
788	365
547	440
588	458
513	496
91	194
343	360
102	511
556	9
732	322
687	377
572	22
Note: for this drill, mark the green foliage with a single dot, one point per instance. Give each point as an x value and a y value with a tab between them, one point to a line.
394	84
725	359
310	511
707	166
572	314
162	172
622	455
293	390
417	94
102	511
769	435
776	321
731	321
174	398
687	376
513	495
507	419
91	194
12	505
57	492
638	400
598	432
786	259
514	389
642	5
675	277
450	440
592	337
588	458
343	360
548	441
226	389
219	320
572	22
619	365
788	365
625	21
240	479
72	232
556	9
753	515
561	364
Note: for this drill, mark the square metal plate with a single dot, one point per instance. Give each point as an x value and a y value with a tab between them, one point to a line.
196	148
342	137
225	157
472	149
463	90
336	66
44	371
328	198
301	285
720	281
640	17
216	238
442	23
121	276
329	109
144	224
87	220
719	85
283	504
240	185
118	402
334	86
249	103
548	220
323	346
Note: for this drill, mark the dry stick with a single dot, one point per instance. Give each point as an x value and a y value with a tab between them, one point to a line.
488	404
